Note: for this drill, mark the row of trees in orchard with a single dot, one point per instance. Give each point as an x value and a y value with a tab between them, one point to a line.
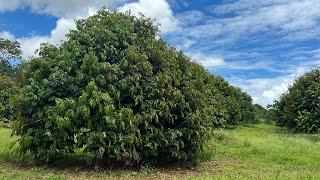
117	91
299	107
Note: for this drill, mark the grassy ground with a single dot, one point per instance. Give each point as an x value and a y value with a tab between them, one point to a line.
246	152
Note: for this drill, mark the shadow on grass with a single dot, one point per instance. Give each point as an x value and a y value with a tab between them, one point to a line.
78	166
77	163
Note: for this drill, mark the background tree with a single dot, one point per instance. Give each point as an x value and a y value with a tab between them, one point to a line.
9	50
8	88
237	103
260	112
271	114
299	107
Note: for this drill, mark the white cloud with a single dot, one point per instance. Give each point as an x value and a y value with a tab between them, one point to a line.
69	10
58	8
156	9
253	38
290	20
9	5
66	11
6	35
245	5
63	8
31	44
188	18
178	4
265	90
247	65
62	28
273	93
207	61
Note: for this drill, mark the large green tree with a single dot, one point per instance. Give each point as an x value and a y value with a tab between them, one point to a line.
299	107
120	93
117	91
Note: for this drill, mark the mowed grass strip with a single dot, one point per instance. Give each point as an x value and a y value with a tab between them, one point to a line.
247	152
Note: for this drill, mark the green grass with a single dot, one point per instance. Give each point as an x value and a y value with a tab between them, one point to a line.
265	152
247	152
6	142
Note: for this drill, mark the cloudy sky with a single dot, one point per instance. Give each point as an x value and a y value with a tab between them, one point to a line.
258	45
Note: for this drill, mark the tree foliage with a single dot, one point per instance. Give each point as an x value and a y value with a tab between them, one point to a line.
237	103
120	93
299	108
260	112
7	89
8	86
9	50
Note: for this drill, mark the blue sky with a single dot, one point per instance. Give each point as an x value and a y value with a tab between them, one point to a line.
260	46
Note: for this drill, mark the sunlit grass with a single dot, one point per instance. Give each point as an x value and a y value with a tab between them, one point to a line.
6	142
265	151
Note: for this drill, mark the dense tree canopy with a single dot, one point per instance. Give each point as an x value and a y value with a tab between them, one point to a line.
119	92
299	108
237	103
